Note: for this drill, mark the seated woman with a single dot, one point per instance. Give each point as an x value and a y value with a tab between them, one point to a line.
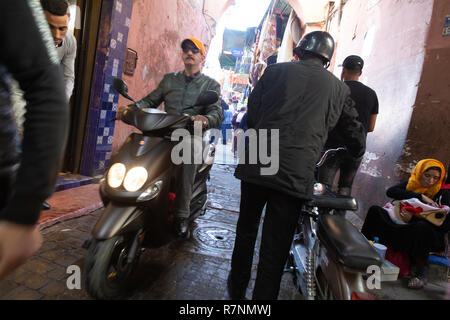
418	237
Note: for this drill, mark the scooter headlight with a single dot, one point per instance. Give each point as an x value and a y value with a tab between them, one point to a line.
116	174
151	192
135	179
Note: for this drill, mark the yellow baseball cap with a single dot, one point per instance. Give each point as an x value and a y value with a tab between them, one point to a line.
196	42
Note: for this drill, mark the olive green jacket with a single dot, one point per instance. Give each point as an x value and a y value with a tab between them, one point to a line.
179	95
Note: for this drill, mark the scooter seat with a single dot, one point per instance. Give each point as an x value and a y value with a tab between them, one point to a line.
331	200
346	244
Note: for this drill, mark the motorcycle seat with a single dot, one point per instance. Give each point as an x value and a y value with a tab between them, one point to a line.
346	244
330	200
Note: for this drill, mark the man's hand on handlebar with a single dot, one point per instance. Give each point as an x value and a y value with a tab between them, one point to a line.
120	111
199	118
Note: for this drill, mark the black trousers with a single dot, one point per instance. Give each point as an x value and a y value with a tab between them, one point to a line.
280	221
347	167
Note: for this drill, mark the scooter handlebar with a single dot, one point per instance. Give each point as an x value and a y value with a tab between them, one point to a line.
327	154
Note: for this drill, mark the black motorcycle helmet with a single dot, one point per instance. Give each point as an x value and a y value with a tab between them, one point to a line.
318	43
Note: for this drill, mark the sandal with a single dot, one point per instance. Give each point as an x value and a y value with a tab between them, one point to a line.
415	283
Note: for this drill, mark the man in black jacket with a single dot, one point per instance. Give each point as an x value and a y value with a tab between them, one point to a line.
28	54
303	102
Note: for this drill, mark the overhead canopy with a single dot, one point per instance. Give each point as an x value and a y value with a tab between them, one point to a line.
305	17
233	41
282	7
213	11
309	11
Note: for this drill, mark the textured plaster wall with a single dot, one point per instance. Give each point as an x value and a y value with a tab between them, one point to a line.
391	36
428	135
156	31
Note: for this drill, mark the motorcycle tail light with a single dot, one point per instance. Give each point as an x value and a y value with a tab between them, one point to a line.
116	174
135	179
362	296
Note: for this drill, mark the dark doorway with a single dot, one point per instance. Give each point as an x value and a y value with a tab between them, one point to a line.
88	20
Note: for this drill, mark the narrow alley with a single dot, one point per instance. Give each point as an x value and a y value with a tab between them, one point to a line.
186	270
166	57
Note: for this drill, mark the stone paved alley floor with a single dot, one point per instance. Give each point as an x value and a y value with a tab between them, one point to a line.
191	270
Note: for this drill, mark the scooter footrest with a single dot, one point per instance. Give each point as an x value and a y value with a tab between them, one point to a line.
346	244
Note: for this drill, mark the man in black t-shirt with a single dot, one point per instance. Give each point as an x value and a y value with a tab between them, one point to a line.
366	103
365	98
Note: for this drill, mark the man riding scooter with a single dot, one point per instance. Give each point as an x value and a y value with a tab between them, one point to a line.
179	92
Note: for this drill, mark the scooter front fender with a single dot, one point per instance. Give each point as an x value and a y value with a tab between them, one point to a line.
116	220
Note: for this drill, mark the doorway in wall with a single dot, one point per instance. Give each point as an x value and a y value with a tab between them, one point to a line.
85	22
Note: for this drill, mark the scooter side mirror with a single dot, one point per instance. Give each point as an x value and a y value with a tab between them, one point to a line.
122	88
206	98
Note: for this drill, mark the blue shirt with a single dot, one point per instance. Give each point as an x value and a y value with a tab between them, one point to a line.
228	115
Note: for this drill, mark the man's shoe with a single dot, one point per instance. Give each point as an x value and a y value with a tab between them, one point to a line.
232	293
45	206
182	228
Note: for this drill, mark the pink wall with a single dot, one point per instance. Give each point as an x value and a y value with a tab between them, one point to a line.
156	31
391	37
428	134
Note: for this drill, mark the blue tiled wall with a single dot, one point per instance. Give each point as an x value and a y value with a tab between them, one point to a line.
113	35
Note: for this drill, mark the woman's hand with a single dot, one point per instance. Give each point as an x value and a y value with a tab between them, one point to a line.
427	200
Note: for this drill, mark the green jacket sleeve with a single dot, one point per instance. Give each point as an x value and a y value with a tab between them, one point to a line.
154	98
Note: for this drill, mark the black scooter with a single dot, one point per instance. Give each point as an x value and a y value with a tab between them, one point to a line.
328	255
138	195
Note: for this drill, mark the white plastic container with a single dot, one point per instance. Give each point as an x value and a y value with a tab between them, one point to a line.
389	271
